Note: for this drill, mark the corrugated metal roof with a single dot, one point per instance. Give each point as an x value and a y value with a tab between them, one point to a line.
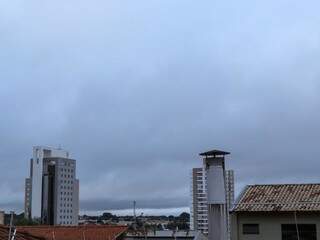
4	234
281	197
93	232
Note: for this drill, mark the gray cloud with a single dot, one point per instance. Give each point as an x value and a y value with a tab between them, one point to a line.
136	89
110	204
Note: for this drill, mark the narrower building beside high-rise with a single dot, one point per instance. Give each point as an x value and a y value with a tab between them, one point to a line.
198	209
52	191
199	204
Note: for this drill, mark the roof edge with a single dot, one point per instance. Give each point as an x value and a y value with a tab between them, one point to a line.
281	184
236	202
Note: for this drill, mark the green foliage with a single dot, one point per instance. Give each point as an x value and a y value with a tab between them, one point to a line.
184	216
26	222
181	222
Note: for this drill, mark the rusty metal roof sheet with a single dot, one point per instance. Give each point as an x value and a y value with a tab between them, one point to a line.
279	198
89	232
4	234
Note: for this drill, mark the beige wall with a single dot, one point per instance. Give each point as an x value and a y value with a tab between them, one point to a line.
270	224
1	217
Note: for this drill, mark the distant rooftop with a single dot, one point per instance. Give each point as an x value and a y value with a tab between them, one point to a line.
279	198
165	234
214	153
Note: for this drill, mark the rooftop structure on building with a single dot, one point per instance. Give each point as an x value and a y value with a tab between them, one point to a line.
214	153
214	165
222	188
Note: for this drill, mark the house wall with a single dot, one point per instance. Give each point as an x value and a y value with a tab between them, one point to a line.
270	224
2	217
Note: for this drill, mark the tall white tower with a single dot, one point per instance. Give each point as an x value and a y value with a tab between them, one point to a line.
199	206
216	194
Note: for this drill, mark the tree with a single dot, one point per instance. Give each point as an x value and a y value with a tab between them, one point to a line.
26	222
184	217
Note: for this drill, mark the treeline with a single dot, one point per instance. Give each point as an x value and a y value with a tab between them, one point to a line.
109	216
19	220
180	222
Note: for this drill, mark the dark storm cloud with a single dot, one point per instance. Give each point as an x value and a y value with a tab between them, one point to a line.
135	89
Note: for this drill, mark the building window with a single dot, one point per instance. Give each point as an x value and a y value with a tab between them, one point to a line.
305	231
250	229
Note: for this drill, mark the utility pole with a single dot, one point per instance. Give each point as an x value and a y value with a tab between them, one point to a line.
134	210
11	225
134	216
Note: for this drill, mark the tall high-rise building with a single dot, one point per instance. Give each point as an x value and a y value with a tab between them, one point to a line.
52	191
199	204
229	175
199	209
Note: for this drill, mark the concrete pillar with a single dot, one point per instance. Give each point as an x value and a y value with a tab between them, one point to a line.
216	194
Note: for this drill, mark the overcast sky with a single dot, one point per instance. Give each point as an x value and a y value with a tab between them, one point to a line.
135	89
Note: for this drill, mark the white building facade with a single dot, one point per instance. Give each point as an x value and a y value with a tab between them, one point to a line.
198	209
199	204
52	191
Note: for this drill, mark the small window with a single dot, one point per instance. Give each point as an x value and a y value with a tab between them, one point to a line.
250	229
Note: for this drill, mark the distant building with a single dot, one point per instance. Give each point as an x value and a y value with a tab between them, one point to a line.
27	197
2	217
230	198
199	208
52	191
277	212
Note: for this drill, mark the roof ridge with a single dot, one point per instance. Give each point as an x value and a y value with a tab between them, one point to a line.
79	226
282	184
280	197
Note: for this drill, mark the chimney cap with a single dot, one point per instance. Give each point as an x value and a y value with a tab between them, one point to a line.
214	153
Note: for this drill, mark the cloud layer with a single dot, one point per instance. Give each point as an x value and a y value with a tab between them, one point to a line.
136	89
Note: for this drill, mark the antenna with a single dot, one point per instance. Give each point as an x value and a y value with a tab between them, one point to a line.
11	225
14	234
134	216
